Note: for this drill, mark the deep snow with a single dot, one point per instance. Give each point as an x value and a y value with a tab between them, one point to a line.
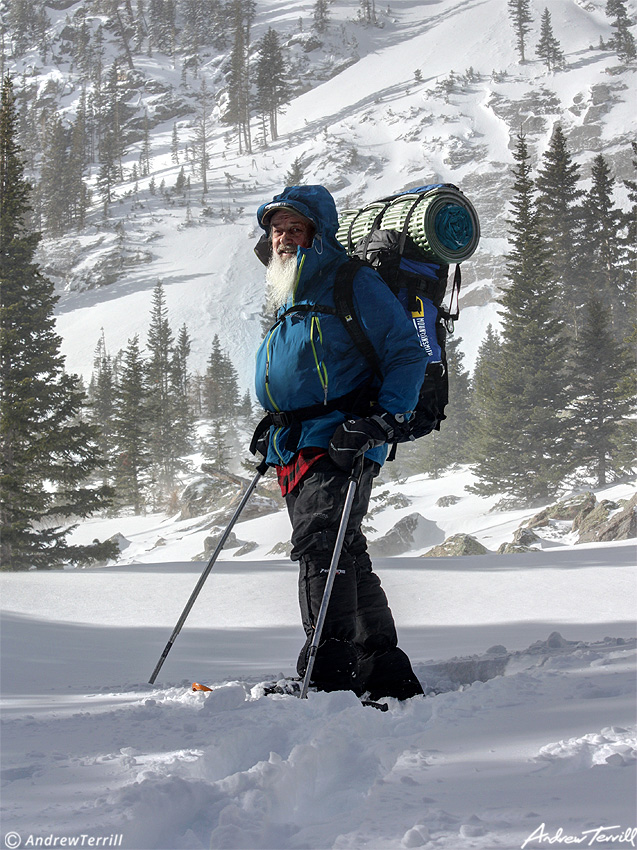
523	738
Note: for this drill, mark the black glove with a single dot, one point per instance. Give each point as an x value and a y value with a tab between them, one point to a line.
262	444
354	437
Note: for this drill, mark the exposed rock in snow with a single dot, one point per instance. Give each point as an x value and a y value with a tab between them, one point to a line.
457	544
524	540
606	523
122	542
221	492
411	532
246	548
211	543
284	547
447	501
568	509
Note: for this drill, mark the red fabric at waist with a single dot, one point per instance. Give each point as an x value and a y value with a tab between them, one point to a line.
291	473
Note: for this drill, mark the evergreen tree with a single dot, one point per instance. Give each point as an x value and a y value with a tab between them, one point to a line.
112	121
78	160
321	16
245	408
602	416
520	15
295	175
483	382
525	453
456	428
203	133
237	112
367	12
140	30
603	255
174	146
629	224
54	178
131	430
62	191
144	154
623	42
548	47
217	23
160	401
217	447
180	392
270	80
221	386
47	451
101	397
560	216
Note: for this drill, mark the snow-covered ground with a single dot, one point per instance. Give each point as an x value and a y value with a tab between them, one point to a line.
525	739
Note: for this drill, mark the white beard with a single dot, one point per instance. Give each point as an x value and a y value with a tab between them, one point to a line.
280	277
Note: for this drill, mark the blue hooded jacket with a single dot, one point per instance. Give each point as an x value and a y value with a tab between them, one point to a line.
308	358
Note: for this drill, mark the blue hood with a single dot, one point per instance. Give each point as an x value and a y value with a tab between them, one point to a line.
325	253
313	202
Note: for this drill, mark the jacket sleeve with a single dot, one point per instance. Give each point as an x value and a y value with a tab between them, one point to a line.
391	332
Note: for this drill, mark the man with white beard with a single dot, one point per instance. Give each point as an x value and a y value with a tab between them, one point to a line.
325	409
288	230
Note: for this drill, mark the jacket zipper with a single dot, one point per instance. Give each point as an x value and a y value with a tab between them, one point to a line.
277	431
320	365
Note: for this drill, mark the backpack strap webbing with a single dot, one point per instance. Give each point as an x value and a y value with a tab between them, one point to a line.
354	402
344	301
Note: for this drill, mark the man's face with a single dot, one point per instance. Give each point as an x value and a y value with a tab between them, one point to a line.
289	231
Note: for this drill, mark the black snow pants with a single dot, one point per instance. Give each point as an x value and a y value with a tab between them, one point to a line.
358	649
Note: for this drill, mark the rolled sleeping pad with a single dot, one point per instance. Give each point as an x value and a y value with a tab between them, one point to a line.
441	220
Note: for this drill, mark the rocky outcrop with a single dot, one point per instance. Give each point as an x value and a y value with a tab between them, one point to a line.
524	540
570	509
595	522
211	543
409	533
246	549
587	524
120	540
447	501
458	544
221	492
608	522
283	548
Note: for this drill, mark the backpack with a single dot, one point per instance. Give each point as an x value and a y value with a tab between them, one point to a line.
413	260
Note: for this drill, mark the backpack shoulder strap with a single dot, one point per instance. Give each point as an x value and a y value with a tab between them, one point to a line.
344	301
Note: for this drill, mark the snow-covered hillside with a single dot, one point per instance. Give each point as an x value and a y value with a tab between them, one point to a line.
365	127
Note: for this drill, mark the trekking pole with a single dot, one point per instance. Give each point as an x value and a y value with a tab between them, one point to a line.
262	468
354	481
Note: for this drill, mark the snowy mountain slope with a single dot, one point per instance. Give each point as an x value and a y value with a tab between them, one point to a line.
160	538
365	127
537	740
